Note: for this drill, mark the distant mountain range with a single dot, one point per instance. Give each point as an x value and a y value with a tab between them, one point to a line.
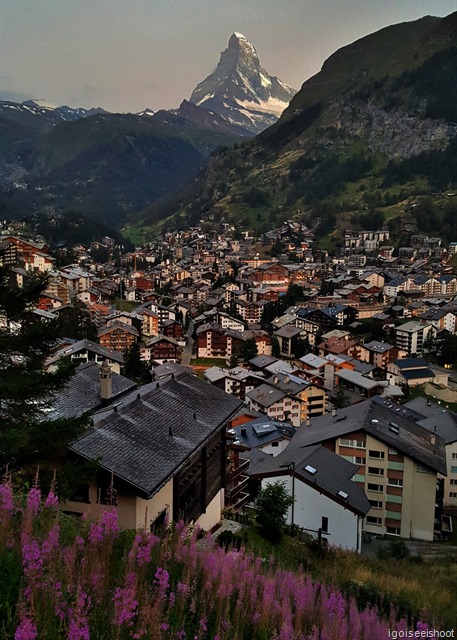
376	125
109	165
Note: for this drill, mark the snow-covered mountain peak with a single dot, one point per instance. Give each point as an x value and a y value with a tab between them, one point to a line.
240	84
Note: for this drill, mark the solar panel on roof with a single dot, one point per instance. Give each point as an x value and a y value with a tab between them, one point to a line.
310	469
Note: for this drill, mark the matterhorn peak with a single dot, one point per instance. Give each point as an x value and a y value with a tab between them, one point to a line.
241	83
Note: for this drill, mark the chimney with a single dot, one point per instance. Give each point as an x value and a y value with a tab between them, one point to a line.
308	421
106	389
433	437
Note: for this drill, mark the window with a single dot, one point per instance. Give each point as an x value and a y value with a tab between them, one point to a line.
376	504
358	444
376	454
453	469
453	481
395	482
324	525
393	452
359	460
453	494
81	494
275	444
393	531
374	520
375	487
375	471
421	468
454	456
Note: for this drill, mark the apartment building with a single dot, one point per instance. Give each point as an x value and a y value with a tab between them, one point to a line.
399	461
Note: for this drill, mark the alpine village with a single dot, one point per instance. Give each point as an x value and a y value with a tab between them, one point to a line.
228	355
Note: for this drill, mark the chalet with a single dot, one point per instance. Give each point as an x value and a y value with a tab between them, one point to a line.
275	403
236	381
163	349
379	353
339	346
84	351
163	450
174	329
118	336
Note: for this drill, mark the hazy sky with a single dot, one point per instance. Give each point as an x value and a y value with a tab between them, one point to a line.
125	55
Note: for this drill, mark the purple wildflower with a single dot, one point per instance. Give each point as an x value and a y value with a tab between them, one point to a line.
26	630
6	497
125	603
52	501
34	500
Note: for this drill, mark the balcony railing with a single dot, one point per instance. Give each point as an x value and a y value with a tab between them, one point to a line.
232	474
232	492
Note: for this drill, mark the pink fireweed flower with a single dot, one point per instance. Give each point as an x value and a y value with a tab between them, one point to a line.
109	522
95	533
52	501
52	541
125	603
336	605
6	497
26	630
78	629
162	580
34	500
31	559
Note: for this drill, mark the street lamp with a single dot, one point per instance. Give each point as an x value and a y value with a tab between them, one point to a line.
291	467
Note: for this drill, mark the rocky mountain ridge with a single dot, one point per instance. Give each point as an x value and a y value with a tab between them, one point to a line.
241	90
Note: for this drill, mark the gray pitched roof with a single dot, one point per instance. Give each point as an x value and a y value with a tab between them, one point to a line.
262	431
87	345
332	474
435	418
266	395
412	439
153	432
82	392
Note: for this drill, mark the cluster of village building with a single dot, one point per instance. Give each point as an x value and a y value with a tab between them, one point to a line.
293	392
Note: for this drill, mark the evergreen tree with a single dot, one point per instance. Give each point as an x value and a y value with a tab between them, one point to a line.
275	348
26	390
272	505
249	349
134	367
341	398
233	361
75	322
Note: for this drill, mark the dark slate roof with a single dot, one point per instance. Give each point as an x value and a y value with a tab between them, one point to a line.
332	474
82	393
435	418
378	346
262	431
262	361
411	439
87	345
415	374
153	432
411	363
265	395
